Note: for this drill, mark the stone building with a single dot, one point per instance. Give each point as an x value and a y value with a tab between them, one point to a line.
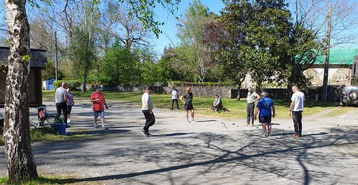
38	62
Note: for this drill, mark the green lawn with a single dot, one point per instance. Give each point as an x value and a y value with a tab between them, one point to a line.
41	180
202	105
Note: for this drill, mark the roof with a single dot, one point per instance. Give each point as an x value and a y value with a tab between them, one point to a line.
339	56
38	57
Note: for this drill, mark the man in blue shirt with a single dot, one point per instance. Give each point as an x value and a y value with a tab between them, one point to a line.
265	106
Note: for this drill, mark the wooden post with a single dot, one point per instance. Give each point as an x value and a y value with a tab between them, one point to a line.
328	48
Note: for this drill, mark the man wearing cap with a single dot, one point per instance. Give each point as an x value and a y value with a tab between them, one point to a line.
99	103
61	101
147	109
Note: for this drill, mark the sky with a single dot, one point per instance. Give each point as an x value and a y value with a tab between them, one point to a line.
169	29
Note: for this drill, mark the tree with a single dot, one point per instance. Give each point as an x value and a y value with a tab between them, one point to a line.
192	53
20	162
18	151
119	66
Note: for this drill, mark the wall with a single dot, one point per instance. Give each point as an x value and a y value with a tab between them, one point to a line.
336	76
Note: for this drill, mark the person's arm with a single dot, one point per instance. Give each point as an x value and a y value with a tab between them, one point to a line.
273	111
65	96
291	108
257	97
182	99
105	104
94	99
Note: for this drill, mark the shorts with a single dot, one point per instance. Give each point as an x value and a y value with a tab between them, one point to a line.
69	109
98	113
188	107
265	119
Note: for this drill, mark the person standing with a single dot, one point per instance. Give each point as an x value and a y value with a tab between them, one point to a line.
188	104
99	103
252	97
265	106
70	103
61	102
175	94
296	109
147	109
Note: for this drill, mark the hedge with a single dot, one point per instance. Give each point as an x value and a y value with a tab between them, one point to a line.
74	84
181	83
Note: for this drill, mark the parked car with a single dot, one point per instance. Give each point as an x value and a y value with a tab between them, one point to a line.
349	95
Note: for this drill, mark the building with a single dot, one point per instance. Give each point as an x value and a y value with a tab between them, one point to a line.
343	66
38	62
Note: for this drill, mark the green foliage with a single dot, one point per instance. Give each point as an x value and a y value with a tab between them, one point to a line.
355	81
74	84
120	66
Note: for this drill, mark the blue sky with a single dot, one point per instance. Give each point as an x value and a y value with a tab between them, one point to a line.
169	29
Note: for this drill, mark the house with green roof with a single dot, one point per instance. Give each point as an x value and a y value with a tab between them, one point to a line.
343	67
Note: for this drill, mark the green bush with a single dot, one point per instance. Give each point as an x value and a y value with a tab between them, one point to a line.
74	84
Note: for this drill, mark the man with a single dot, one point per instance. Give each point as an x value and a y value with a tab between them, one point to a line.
61	102
252	97
99	103
217	105
188	104
265	106
175	94
147	109
296	109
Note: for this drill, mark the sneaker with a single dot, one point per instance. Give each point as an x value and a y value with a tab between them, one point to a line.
68	121
268	134
104	127
263	134
95	126
193	121
188	121
251	124
68	126
247	124
144	133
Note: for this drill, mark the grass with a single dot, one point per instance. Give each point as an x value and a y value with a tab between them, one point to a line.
202	105
40	180
38	136
340	111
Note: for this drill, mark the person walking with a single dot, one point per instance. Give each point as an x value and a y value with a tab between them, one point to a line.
147	109
296	109
99	103
61	102
252	97
265	106
70	103
188	104
175	94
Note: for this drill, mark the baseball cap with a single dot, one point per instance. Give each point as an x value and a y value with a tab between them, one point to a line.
149	88
99	88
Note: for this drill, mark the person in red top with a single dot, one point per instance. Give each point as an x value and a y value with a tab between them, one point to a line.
99	103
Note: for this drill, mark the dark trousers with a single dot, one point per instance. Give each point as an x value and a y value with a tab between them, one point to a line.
62	107
250	112
175	100
149	120
297	121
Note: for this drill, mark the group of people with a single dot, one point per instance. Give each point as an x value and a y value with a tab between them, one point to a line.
266	109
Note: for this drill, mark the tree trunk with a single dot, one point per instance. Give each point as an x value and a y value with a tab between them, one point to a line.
20	162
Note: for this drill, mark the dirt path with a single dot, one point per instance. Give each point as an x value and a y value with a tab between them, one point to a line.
211	151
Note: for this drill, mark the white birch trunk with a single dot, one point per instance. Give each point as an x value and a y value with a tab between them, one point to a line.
20	163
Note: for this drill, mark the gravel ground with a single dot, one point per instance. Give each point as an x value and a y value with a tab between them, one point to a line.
210	151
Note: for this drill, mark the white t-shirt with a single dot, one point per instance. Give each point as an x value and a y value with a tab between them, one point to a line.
299	98
174	94
146	98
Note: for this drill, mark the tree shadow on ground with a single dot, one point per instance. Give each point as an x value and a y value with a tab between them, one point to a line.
215	153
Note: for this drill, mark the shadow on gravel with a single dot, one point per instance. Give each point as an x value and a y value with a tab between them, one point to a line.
222	154
169	135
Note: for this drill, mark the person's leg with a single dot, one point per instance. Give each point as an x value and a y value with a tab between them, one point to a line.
176	100
102	118
187	115
263	129
147	120
299	120
269	129
58	109
295	122
69	109
64	110
252	107
151	121
172	104
95	115
248	114
192	114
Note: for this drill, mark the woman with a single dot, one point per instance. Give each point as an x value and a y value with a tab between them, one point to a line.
70	103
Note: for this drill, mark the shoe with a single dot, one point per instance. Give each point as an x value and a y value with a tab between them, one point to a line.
68	126
251	125
104	127
247	124
268	134
144	133
95	126
193	121
188	121
68	121
296	136
263	134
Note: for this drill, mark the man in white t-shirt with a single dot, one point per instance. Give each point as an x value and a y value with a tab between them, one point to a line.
147	109
296	109
175	94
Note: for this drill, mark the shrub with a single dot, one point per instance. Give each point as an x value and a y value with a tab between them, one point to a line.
74	84
181	83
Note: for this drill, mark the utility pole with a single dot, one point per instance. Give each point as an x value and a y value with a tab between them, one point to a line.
328	48
56	61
